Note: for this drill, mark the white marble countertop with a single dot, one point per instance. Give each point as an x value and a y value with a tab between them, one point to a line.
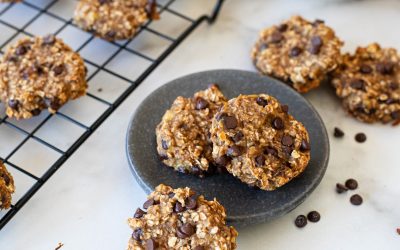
86	203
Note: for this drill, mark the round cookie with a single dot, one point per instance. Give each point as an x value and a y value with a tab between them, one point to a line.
177	219
258	142
368	82
6	187
298	52
113	19
40	73
183	141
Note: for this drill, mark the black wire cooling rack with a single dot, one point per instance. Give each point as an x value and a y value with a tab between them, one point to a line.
31	132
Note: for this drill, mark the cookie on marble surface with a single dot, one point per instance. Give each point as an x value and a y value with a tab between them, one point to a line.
40	73
183	141
6	187
178	219
297	51
114	19
368	82
258	142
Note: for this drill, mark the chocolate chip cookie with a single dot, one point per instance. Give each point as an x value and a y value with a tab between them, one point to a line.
40	73
368	84
299	52
258	142
178	219
183	141
6	187
114	19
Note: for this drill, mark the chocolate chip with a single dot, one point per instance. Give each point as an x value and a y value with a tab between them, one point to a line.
139	213
49	40
287	140
276	37
199	248
53	103
318	22
238	136
313	216
222	160
171	195
260	160
398	231
394	85
301	221
136	234
358	84
295	51
187	229
221	116
340	188
6	179
178	208
316	44
230	122
36	112
111	34
277	123
304	146
338	133
365	69
356	200
58	70
164	144
391	101
351	184
285	108
283	27
149	203
197	171
385	68
191	203
287	150
14	104
234	151
180	234
395	115
21	50
104	1
360	137
151	244
201	103
271	151
261	101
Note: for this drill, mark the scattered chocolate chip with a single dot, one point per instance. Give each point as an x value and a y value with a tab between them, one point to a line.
351	184
285	108
222	160
338	133
261	101
276	37
230	122
58	70
178	208
277	123
313	216
14	104
187	229
21	50
304	146
151	244
316	44
136	234
260	160
234	151
199	248
301	221
149	203
360	137
340	188
36	112
164	144
191	203
49	40
238	136
395	115
283	27
358	84
356	200
287	140
365	69
295	51
139	213
271	151
201	103
99	90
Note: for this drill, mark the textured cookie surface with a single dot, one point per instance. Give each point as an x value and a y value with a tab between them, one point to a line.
298	52
111	19
178	219
6	187
368	84
40	73
183	134
259	142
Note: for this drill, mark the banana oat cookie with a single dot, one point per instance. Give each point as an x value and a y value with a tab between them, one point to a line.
178	219
114	19
368	84
298	52
258	142
6	187
183	135
40	73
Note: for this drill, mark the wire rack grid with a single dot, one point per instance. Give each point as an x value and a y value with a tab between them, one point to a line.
33	150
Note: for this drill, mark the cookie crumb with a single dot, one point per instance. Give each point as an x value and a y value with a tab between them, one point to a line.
59	246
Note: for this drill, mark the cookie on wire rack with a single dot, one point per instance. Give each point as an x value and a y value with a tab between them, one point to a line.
6	187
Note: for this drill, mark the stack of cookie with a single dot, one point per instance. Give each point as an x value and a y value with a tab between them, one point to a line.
304	54
253	137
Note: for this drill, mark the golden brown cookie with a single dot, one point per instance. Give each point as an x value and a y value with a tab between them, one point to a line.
40	73
178	219
6	187
258	142
298	52
183	135
368	84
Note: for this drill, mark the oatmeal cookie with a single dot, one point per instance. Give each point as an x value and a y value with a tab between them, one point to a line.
298	52
368	84
177	219
40	73
258	142
6	187
116	19
183	135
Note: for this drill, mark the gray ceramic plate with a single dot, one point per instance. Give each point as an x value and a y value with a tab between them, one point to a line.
243	204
